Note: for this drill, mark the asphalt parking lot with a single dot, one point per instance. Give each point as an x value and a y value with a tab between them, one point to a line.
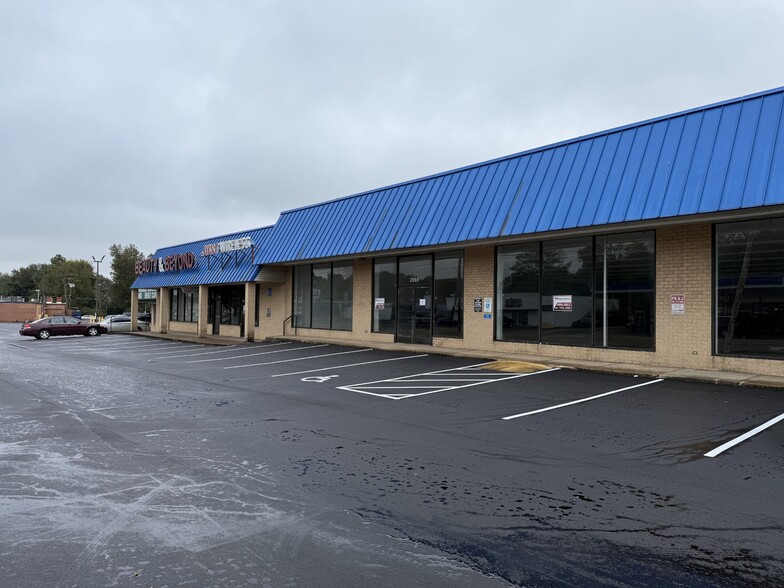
138	461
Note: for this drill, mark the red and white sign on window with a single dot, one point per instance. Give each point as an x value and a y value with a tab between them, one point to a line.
562	303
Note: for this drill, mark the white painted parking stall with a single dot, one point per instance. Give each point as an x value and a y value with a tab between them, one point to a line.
748	435
434	382
579	400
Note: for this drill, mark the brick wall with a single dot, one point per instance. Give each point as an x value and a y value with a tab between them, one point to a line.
16	312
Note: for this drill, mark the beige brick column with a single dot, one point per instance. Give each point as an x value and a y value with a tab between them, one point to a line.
478	283
683	266
164	310
250	311
203	325
272	309
362	305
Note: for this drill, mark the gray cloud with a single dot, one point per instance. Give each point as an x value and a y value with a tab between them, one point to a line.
157	123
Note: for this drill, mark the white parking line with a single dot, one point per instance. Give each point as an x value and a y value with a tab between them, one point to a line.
243	356
529	413
742	438
236	367
348	365
225	349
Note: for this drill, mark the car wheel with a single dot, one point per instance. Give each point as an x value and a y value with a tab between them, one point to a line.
92	331
43	334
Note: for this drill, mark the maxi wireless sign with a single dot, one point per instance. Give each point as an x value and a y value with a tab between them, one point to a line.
226	246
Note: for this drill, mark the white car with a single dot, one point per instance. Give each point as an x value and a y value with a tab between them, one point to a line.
120	323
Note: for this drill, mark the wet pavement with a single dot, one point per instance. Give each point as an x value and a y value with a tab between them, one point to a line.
128	461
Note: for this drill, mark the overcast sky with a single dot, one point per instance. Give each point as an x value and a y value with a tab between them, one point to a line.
156	123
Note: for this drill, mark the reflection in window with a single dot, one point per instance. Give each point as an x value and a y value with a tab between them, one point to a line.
342	295
567	301
416	271
301	311
750	288
625	291
448	295
517	285
323	296
384	295
185	304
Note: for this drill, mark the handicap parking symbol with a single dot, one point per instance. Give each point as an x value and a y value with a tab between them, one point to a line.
319	379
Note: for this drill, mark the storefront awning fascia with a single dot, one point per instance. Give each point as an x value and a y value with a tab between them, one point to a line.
212	266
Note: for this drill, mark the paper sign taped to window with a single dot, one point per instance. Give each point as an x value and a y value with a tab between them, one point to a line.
562	303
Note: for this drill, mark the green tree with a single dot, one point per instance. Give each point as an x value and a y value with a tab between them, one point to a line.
124	260
5	284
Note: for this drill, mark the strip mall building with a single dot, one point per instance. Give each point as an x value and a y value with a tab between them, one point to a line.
658	243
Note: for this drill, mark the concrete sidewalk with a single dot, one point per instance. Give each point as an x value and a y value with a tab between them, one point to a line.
648	371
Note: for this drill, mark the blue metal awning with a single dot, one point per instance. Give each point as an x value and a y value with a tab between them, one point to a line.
722	157
228	259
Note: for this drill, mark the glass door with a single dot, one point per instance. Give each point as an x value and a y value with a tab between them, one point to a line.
415	315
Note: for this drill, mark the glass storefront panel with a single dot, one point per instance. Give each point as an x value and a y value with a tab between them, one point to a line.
384	295
301	310
625	307
749	282
342	296
321	293
416	271
175	305
517	291
567	295
324	296
185	304
448	295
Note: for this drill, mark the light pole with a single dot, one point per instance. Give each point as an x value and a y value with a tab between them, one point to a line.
97	267
68	300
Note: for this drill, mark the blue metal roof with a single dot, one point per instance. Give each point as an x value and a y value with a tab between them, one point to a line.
222	268
722	157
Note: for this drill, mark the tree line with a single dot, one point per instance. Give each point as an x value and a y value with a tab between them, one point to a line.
76	283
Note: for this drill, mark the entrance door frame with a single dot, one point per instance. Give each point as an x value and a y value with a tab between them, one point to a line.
415	335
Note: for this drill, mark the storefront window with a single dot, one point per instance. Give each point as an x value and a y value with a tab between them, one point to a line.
625	270
342	296
749	282
320	297
302	275
185	304
517	287
567	297
416	271
384	295
175	304
232	302
448	295
323	296
594	291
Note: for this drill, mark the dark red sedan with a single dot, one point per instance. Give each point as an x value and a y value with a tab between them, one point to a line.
61	325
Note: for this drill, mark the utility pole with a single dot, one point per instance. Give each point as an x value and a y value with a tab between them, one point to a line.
97	268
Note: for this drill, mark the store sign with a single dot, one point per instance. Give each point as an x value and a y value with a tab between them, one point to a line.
678	303
487	307
226	246
148	294
562	303
170	263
